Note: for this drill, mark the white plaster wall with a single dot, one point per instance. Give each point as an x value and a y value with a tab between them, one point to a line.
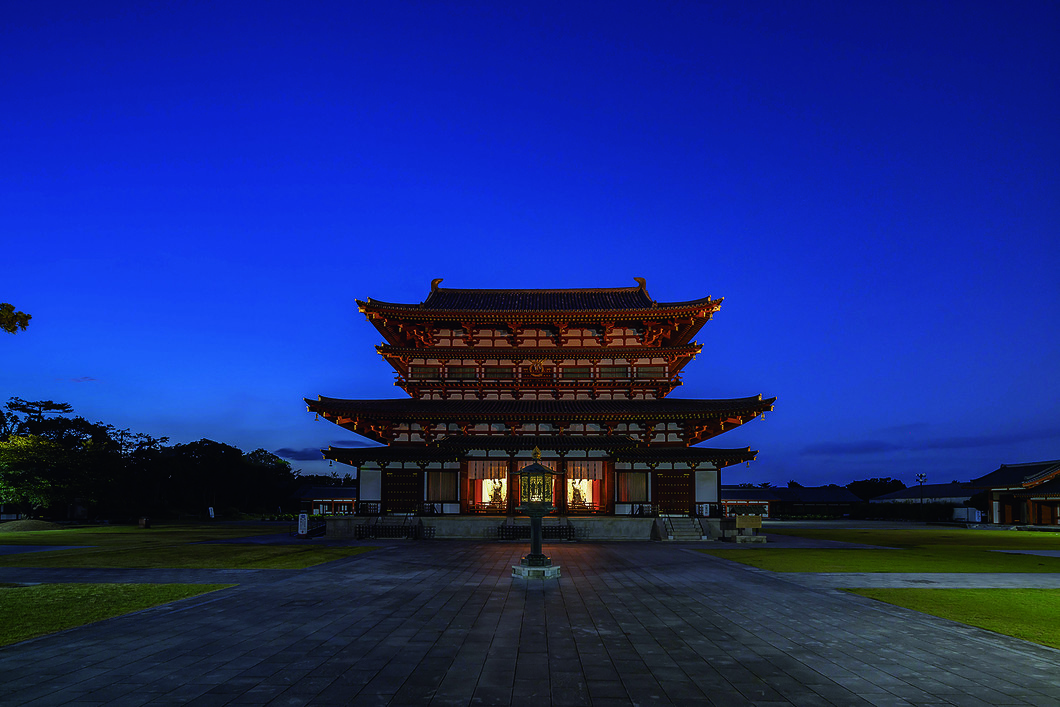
371	483
706	487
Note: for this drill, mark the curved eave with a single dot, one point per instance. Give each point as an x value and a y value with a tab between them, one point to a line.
688	455
663	310
544	442
440	452
337	409
514	352
418	454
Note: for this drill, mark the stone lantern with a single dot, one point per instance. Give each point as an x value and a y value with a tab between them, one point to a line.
535	495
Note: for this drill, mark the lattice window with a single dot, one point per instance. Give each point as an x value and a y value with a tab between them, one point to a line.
613	372
425	372
577	373
651	372
461	373
632	486
441	485
499	373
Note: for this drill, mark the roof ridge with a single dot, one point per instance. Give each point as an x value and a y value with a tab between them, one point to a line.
641	285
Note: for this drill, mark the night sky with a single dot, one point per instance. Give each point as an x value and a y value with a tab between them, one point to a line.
193	194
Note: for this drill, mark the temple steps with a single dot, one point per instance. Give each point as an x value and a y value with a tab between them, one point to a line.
682	528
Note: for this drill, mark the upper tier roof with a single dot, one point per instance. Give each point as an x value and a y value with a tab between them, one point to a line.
607	299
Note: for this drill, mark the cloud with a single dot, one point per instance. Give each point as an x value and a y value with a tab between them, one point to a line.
919	445
986	440
305	454
353	443
83	379
844	448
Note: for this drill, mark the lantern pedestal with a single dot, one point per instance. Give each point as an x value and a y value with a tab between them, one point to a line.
535	491
523	572
536	564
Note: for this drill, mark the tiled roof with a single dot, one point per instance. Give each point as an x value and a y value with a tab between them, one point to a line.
1049	488
824	494
621	448
954	490
1010	475
519	300
793	494
544	352
683	455
527	442
320	493
394	453
737	493
604	299
412	409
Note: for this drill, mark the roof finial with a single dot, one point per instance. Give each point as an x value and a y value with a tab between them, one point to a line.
642	282
434	284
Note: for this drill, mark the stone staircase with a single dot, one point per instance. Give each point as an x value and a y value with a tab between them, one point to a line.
682	528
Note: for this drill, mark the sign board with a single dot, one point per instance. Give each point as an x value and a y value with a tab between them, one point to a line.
303	524
748	521
211	512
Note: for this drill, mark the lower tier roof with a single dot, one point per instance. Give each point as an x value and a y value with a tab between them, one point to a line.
619	448
544	410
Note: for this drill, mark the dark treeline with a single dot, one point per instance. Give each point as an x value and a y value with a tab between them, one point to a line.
58	465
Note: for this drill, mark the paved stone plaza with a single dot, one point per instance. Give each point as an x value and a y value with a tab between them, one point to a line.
444	623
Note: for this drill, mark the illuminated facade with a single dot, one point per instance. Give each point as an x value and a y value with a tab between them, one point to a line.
583	375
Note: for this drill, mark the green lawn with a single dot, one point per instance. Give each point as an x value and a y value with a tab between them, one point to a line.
1030	614
35	610
167	546
914	550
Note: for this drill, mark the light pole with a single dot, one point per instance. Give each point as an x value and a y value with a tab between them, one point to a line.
535	496
920	479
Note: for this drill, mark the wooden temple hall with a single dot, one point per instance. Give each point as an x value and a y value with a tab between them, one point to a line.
583	375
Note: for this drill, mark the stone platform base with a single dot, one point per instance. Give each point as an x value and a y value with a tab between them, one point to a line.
750	538
550	572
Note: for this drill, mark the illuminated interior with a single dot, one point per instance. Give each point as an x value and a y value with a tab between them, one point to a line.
494	491
584	485
579	492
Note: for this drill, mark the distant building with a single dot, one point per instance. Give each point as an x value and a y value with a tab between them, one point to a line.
791	501
327	500
1022	493
955	493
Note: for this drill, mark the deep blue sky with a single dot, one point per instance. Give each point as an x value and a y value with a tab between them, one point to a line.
193	194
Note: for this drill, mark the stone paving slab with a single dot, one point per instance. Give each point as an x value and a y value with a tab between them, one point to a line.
444	623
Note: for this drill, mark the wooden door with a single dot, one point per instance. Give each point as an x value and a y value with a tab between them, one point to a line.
402	490
671	492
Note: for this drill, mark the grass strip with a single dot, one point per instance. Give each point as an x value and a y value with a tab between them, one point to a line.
187	556
125	534
30	611
913	550
173	546
1029	614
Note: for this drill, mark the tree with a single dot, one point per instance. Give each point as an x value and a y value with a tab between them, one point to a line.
793	484
42	473
54	462
867	489
35	410
10	320
27	464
